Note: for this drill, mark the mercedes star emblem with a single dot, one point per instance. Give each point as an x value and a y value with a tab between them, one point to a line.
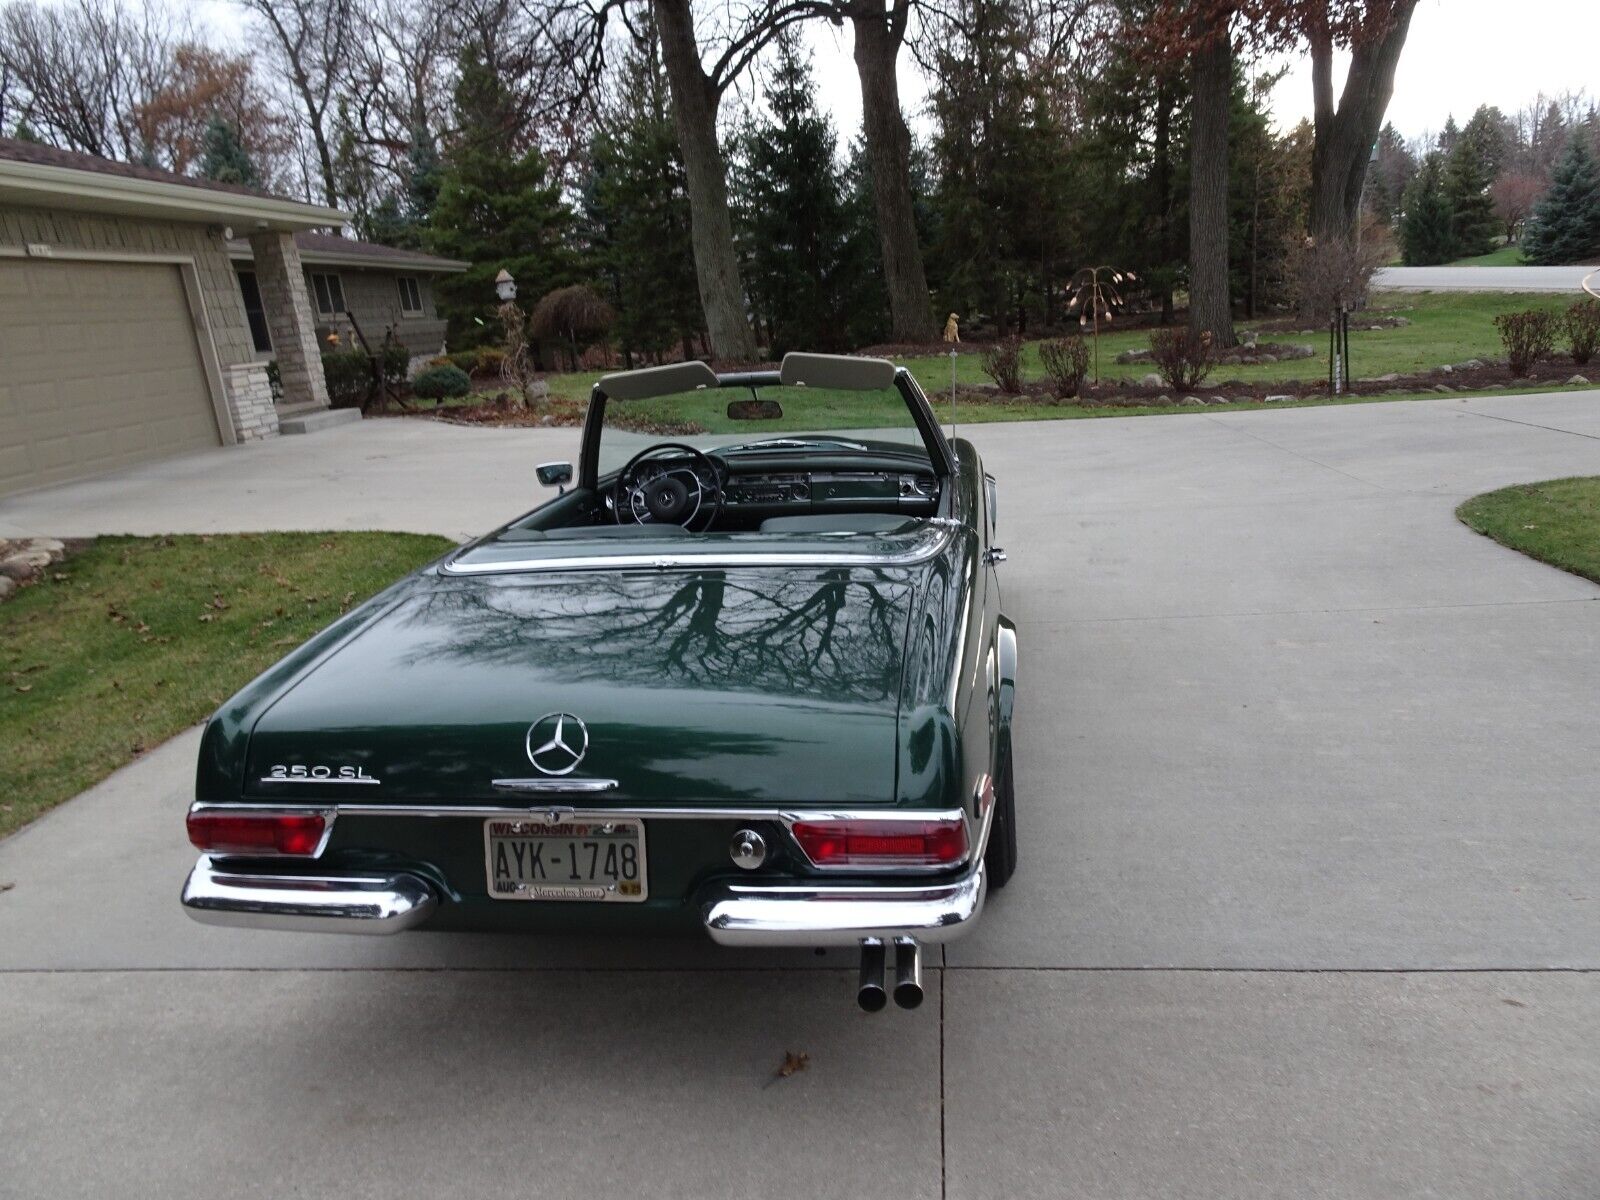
557	743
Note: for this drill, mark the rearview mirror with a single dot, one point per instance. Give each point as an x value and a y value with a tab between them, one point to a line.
554	474
756	409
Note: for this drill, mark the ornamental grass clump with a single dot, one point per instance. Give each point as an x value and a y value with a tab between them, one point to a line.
1002	362
1527	336
1066	362
1182	358
1582	323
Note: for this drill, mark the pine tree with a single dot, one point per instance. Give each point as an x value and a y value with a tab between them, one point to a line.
790	223
498	208
223	156
636	213
423	171
1565	227
1473	225
26	133
1425	237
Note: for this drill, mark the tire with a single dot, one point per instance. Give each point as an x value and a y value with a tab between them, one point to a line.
1000	859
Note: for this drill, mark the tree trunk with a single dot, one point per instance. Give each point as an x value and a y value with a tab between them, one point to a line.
694	111
1344	136
1210	308
878	36
1161	182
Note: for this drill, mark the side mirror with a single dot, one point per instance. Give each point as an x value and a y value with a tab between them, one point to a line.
554	474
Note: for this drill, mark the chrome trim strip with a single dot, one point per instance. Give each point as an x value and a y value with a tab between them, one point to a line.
928	549
314	779
374	904
700	813
554	785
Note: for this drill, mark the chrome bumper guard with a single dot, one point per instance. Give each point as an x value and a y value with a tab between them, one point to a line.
807	915
217	895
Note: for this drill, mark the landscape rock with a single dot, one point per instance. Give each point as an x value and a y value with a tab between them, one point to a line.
1150	380
1443	388
1578	379
1443	369
1133	356
1278	399
1401	322
20	564
1471	364
7	586
1248	338
1389	378
1266	358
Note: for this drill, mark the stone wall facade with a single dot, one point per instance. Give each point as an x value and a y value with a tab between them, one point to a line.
250	404
282	280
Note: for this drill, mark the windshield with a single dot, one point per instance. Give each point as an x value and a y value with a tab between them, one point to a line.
766	419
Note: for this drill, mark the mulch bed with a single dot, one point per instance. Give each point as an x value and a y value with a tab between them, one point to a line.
499	411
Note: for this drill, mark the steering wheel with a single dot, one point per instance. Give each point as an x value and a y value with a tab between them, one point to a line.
673	496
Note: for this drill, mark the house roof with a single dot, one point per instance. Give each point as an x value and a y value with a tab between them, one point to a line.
44	175
326	249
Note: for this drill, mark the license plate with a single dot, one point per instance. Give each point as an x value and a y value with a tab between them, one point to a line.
576	860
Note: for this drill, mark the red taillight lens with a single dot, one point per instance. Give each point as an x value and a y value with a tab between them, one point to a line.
883	843
297	835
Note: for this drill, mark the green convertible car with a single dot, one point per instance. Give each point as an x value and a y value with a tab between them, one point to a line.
747	674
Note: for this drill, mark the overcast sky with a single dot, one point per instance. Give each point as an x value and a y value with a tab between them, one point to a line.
1460	54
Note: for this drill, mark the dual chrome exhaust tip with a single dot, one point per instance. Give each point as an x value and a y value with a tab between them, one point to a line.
871	994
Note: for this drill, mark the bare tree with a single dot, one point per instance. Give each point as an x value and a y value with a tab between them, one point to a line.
880	31
312	41
81	72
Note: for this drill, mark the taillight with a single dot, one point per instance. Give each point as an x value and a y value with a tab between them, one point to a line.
232	831
866	843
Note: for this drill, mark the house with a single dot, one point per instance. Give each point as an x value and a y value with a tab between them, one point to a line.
360	291
139	310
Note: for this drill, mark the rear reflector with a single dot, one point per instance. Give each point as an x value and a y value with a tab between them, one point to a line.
883	843
294	835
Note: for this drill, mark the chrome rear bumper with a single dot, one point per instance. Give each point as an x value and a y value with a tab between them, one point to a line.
841	916
217	895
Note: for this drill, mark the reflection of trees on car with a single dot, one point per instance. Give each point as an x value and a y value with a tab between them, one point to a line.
834	636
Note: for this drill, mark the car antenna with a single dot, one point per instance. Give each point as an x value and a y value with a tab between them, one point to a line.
952	399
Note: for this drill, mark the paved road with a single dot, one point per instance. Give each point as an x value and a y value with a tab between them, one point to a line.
1484	279
1308	905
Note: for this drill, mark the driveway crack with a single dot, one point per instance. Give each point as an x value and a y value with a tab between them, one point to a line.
1256	437
1530	424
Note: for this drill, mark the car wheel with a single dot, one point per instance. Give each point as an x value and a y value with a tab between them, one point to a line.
1000	859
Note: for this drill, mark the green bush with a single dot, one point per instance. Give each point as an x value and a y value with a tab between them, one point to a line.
436	383
395	359
464	360
489	360
348	374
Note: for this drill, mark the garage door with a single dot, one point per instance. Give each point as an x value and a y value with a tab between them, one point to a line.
99	369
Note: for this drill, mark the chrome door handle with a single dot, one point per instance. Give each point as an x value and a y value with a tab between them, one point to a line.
994	555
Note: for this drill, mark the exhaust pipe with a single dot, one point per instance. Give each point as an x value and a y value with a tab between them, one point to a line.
907	972
869	990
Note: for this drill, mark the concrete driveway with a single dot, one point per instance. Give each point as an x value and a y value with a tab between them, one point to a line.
1483	279
1308	905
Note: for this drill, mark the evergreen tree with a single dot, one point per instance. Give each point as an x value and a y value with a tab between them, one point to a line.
498	208
1473	225
423	171
636	213
1565	227
223	156
26	133
1425	236
790	222
1392	172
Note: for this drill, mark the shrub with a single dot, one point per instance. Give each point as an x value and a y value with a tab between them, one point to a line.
1066	361
436	383
462	360
1527	336
395	359
1183	360
1582	322
490	359
1002	362
1325	274
348	374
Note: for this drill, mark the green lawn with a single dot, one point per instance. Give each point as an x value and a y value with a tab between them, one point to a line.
1445	328
1505	256
136	639
1557	522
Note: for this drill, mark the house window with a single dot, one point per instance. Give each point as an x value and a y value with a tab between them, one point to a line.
410	294
255	312
329	294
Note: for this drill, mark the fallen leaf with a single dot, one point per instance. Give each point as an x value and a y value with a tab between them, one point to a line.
6	887
27	687
792	1063
1513	1003
206	616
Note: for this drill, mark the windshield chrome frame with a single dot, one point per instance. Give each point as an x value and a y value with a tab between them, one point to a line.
939	451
